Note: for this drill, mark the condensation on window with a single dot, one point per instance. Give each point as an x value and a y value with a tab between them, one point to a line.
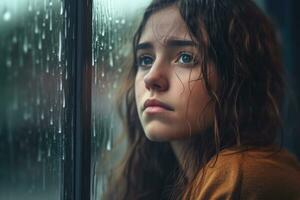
114	23
34	76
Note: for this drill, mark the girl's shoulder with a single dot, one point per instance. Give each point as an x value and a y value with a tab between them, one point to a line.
253	173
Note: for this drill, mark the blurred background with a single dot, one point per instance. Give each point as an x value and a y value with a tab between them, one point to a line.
36	88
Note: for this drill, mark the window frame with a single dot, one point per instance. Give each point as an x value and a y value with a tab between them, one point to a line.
77	166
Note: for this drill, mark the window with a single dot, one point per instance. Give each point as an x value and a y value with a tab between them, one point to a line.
35	99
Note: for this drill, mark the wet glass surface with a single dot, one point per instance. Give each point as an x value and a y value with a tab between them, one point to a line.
114	22
34	85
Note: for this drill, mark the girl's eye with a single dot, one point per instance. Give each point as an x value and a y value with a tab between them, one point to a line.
185	58
145	61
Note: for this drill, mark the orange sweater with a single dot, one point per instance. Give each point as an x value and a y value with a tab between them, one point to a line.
252	175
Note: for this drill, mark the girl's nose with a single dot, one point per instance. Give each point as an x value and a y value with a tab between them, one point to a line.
157	78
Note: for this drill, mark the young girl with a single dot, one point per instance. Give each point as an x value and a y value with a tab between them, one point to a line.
202	106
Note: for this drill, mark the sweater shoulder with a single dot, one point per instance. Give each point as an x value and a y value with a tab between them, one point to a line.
254	173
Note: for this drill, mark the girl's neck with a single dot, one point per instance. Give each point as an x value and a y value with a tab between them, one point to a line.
185	161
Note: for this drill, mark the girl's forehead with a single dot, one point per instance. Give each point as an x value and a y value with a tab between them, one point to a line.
164	24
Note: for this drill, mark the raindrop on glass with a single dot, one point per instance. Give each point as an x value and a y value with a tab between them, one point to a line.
50	23
8	63
64	100
108	145
15	39
25	45
59	47
61	8
43	35
49	151
36	28
6	16
29	7
60	84
59	126
111	62
38	100
42	116
51	120
39	158
40	44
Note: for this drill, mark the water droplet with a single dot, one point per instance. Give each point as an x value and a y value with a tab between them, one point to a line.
51	120
15	39
49	151
111	62
38	101
25	45
29	7
50	23
42	116
123	21
26	116
108	145
61	8
59	126
6	16
60	84
117	21
39	158
47	68
43	35
59	47
94	126
40	44
8	63
64	100
36	29
66	73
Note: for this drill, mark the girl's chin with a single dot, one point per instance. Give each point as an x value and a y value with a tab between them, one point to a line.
164	137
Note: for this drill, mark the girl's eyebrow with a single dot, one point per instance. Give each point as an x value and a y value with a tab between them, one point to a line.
169	43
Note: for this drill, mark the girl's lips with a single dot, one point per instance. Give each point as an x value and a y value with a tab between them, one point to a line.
155	105
155	109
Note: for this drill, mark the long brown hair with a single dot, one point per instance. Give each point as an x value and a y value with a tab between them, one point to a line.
239	41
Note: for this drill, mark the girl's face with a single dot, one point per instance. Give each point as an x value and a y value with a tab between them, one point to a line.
171	97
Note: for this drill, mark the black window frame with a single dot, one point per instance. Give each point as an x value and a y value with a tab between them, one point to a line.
77	166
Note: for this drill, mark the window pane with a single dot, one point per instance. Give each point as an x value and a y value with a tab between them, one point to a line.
34	89
114	22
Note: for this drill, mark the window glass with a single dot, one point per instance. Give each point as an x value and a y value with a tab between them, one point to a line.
114	22
34	90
